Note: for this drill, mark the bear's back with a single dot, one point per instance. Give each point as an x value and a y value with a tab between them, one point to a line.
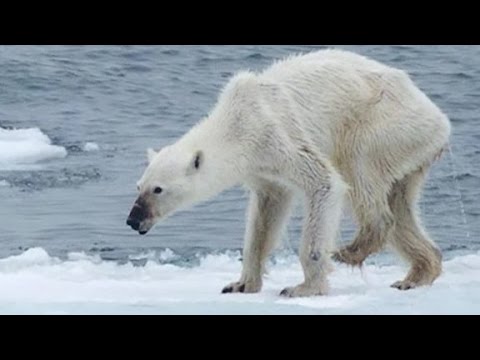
336	81
324	62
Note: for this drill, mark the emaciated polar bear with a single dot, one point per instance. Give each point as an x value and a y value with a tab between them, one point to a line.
330	125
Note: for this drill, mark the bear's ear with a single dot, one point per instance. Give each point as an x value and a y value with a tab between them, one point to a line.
196	162
151	155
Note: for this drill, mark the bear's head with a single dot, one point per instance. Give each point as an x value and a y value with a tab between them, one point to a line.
172	180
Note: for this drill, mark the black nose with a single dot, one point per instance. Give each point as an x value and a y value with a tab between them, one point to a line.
133	223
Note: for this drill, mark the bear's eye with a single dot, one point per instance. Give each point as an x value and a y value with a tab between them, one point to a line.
197	162
158	190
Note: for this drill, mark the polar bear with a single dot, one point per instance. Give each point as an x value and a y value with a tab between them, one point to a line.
332	126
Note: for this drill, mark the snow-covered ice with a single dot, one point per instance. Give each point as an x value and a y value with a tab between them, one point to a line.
36	283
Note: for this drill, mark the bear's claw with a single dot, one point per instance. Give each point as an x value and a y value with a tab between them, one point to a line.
242	288
404	285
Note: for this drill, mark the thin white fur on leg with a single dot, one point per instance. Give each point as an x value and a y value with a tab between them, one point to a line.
269	208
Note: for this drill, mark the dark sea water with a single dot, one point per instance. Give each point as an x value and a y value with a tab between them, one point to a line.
129	98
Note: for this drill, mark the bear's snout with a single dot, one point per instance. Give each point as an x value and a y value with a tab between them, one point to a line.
138	216
133	223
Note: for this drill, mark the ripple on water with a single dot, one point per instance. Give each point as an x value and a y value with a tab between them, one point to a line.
47	179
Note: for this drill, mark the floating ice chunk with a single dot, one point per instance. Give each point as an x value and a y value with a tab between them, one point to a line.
91	146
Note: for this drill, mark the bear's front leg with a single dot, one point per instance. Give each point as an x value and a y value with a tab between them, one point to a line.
322	222
269	208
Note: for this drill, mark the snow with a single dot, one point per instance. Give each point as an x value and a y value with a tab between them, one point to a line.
21	148
4	183
36	283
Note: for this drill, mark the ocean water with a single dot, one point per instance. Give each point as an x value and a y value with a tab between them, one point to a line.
75	123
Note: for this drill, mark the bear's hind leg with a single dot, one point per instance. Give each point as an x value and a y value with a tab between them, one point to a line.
410	239
369	240
269	208
376	222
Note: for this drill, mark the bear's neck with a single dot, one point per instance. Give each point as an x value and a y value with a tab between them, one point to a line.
221	169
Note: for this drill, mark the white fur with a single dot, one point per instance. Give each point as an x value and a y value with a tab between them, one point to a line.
326	124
